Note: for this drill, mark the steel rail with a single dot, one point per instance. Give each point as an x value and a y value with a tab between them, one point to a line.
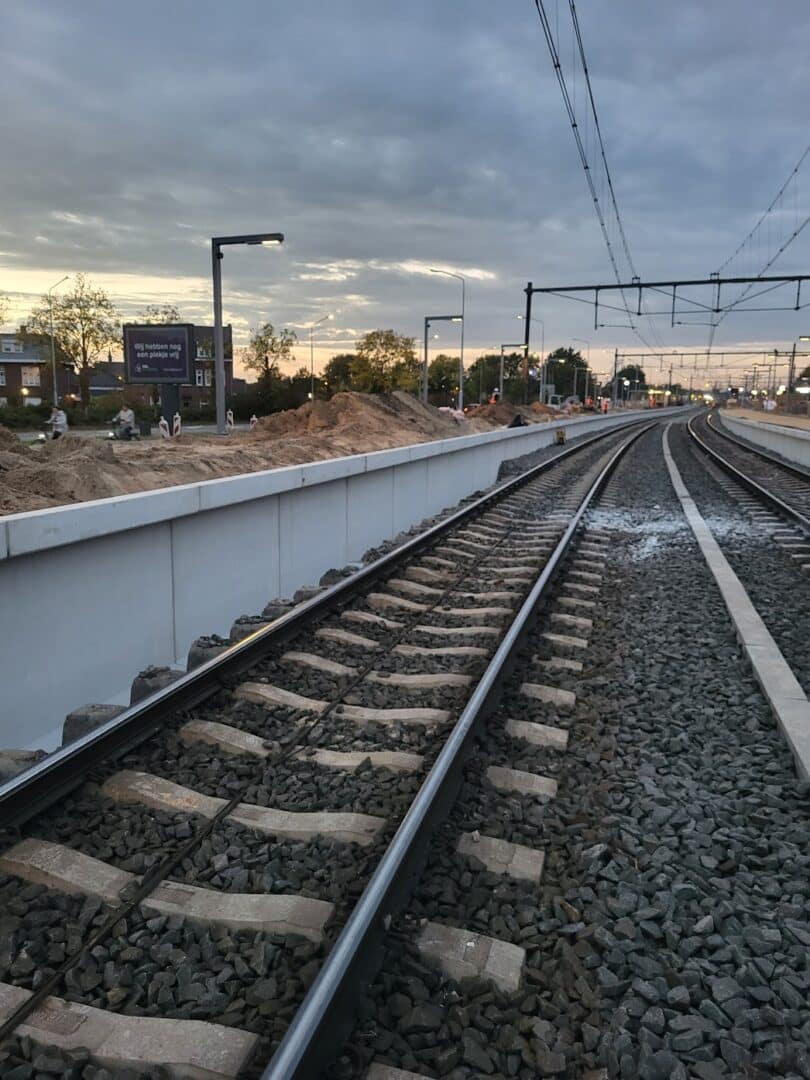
64	769
322	1020
786	466
748	482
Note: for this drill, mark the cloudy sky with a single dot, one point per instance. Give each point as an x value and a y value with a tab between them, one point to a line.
385	138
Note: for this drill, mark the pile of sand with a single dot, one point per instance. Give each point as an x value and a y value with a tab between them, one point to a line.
544	412
383	416
78	468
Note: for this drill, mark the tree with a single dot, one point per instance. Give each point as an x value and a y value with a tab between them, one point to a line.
3	308
634	374
385	361
337	375
268	349
157	313
85	323
560	368
443	378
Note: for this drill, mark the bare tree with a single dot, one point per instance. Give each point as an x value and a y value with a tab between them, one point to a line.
85	323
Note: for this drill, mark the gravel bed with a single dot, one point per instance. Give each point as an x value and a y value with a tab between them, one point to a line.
130	836
669	936
779	590
40	929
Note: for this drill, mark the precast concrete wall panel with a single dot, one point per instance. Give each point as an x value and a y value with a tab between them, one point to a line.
791	443
225	563
92	616
409	482
312	533
369	511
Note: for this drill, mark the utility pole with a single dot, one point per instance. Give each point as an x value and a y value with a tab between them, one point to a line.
526	332
670	381
615	366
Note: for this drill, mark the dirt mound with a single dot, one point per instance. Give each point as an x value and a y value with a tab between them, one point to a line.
500	412
545	411
81	467
74	448
9	443
385	415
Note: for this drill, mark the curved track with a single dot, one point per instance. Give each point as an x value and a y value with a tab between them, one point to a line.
781	486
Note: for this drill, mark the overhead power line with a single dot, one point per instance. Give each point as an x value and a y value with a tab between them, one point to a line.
552	41
771	259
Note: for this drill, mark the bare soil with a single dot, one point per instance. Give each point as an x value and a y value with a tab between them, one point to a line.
76	469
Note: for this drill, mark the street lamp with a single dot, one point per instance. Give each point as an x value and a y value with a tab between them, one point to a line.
428	320
463	280
218	242
582	341
542	395
312	355
53	351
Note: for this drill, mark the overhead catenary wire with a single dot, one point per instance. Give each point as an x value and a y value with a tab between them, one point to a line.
783	245
569	101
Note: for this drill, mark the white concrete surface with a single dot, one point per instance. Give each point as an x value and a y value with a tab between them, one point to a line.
780	686
92	593
791	443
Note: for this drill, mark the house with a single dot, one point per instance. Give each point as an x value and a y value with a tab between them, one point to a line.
21	372
199	394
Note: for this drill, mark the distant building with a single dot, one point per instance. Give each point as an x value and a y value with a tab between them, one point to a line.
25	373
21	379
200	393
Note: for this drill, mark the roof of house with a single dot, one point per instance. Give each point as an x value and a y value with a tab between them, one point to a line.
29	354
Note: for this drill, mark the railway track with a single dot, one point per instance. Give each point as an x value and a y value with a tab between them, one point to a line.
174	880
665	933
760	513
588	860
782	487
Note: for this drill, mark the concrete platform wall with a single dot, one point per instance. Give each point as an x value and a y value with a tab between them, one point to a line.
92	593
791	443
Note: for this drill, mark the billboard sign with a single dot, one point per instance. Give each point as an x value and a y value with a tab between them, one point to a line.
158	353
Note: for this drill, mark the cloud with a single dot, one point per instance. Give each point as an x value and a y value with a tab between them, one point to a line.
384	140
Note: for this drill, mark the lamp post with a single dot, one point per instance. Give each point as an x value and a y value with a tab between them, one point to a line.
53	351
582	341
432	319
463	280
312	355
518	345
525	344
217	243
